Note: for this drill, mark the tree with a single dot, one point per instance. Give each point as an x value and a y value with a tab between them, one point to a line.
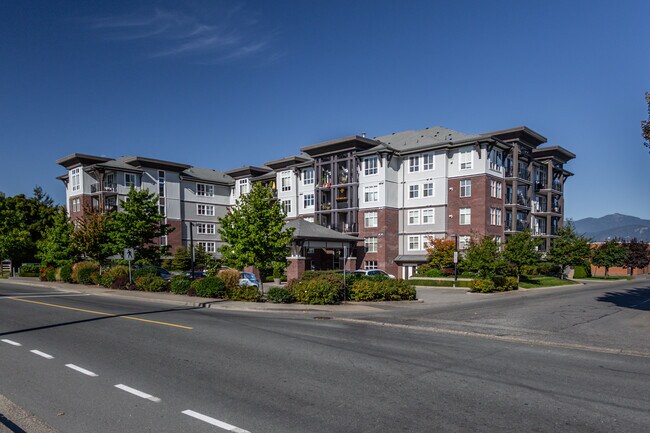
254	231
182	260
521	249
569	248
441	253
57	248
638	255
609	254
645	124
138	224
483	257
91	237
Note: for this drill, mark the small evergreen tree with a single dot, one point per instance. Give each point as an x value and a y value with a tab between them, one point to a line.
521	250
638	255
182	260
569	248
609	255
57	247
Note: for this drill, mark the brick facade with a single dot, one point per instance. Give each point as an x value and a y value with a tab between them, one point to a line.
480	201
387	234
175	238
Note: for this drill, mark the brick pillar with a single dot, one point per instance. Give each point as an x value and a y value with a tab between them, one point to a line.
296	268
351	264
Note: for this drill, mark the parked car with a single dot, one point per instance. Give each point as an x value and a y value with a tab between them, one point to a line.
373	273
157	270
248	279
198	275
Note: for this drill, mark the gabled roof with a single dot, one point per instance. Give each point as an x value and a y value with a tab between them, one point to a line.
116	164
352	142
305	230
247	171
74	159
522	133
416	138
289	161
207	175
140	161
556	152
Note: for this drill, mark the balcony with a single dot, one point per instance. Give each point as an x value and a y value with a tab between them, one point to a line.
509	199
556	185
345	228
523	174
538	231
540	185
556	209
108	187
539	207
522	225
523	201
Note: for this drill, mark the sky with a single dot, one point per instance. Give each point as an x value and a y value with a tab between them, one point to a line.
222	84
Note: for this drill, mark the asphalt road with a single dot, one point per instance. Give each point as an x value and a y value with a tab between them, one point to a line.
569	359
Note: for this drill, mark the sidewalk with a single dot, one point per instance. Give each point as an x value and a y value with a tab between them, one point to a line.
14	419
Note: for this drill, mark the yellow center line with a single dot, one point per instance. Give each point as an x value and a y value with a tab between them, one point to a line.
102	313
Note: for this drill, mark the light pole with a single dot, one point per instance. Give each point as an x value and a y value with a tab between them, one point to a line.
456	261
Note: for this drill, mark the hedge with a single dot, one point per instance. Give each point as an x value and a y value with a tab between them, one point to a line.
150	283
29	270
180	284
382	290
244	293
439	283
280	295
325	288
209	287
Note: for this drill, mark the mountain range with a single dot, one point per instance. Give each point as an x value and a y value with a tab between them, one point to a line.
614	226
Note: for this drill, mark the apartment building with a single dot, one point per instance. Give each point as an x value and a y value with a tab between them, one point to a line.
393	193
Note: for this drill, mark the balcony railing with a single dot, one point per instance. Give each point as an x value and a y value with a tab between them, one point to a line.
539	206
556	185
522	225
345	228
509	199
539	185
539	232
523	174
523	201
108	187
556	209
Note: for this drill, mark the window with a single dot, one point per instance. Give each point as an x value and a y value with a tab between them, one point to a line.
129	180
495	189
370	264
370	244
497	239
414	191
463	242
161	183
466	188
162	209
495	216
371	193
205	209
427	216
205	190
285	181
414	164
208	247
496	160
370	219
414	217
465	216
76	204
465	157
163	241
206	229
75	174
308	176
427	189
243	186
110	180
414	243
426	241
286	205
370	166
308	200
427	161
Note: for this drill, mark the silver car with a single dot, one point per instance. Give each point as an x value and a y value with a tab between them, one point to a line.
248	279
373	273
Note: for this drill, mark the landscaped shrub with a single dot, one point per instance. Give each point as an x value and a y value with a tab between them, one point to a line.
382	290
110	277
66	273
548	269
483	285
180	284
50	274
321	289
230	278
280	295
150	283
310	275
82	272
581	272
439	283
144	271
29	270
209	287
244	293
504	284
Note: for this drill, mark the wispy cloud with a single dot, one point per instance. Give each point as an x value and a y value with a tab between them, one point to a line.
164	33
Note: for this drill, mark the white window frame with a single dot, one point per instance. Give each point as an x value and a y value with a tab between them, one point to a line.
371	193
308	176
465	216
414	191
76	204
243	186
370	219
428	161
409	242
204	190
496	162
206	229
75	179
205	209
414	164
308	200
466	159
495	188
370	166
464	241
208	247
370	265
495	216
428	189
425	241
129	180
428	216
466	188
286	206
285	176
370	244
413	218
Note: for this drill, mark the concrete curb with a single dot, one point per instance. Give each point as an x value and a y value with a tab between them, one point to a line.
14	419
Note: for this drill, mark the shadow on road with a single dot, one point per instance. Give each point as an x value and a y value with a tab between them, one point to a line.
10	425
637	298
94	319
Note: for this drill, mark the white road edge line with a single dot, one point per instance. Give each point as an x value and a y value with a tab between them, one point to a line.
43	354
138	393
81	370
214	422
13	343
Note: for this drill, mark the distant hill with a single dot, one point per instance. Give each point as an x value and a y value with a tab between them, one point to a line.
614	226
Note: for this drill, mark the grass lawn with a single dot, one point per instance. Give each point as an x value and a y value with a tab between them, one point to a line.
603	278
533	282
439	283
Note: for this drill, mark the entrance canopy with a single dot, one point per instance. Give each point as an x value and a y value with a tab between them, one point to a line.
311	235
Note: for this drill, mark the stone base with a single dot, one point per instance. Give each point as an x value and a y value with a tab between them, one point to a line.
296	268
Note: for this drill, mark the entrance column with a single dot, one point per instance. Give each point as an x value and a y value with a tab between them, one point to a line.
296	267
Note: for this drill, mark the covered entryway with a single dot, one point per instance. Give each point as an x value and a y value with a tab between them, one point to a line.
409	263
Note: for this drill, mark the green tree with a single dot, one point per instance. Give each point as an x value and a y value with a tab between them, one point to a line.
441	253
483	257
254	231
609	255
137	225
91	237
182	260
57	248
645	124
521	250
638	255
202	260
569	248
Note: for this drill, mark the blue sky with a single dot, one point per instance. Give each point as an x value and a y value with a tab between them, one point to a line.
221	84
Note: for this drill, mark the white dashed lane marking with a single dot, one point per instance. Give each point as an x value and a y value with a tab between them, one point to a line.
81	370
13	343
43	354
214	422
138	393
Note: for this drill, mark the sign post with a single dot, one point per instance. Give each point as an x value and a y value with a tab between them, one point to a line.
455	268
129	253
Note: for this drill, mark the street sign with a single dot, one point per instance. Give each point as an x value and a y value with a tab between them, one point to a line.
128	254
455	256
